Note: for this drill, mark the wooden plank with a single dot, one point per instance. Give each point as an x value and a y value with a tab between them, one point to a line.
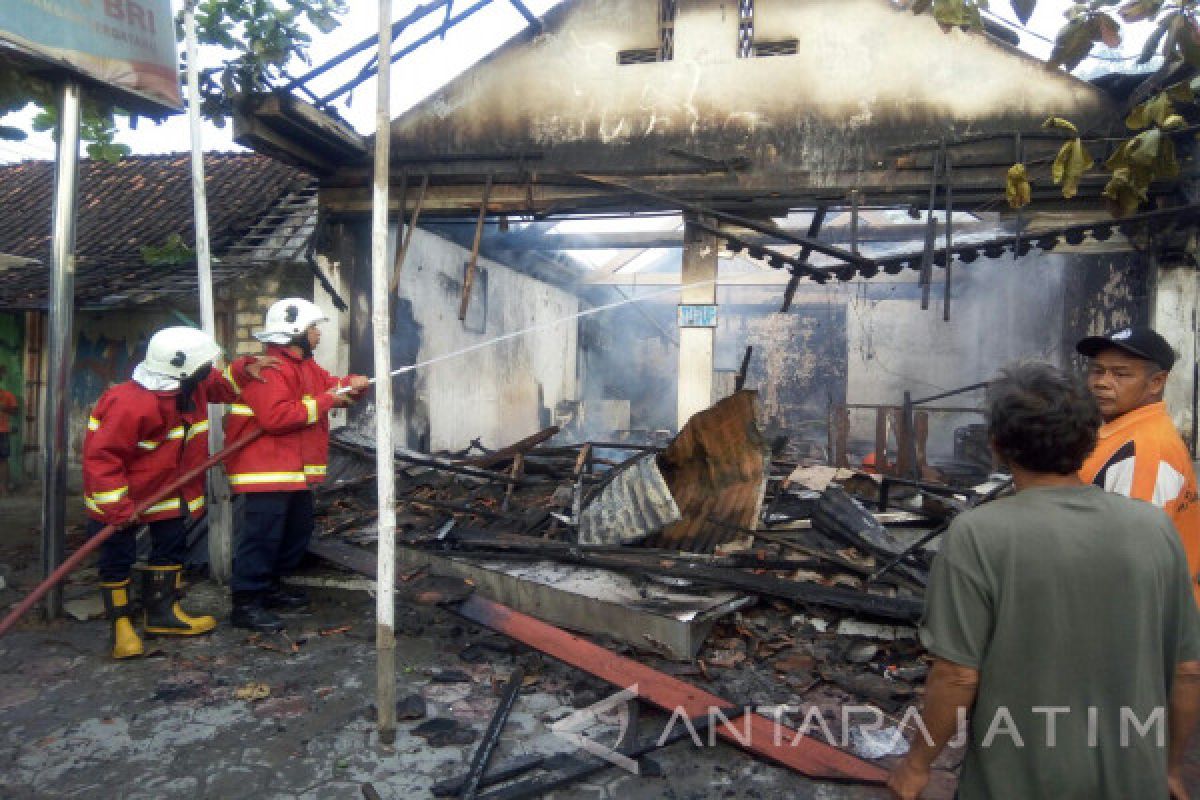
514	449
408	233
469	279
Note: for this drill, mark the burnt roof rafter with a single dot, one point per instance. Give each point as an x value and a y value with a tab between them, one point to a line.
416	16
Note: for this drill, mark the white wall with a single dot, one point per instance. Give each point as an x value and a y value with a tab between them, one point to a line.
1007	310
333	352
492	393
1174	314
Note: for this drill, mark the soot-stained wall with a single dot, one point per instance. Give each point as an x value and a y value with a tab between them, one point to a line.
499	393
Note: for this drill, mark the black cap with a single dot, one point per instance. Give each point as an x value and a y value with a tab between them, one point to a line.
1141	342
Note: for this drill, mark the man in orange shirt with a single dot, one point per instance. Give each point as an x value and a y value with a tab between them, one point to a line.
1139	453
8	406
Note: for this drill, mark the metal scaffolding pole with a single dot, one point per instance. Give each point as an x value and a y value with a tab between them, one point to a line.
61	309
220	509
385	608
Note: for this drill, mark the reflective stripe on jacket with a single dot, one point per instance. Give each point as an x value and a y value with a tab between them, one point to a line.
137	442
292	406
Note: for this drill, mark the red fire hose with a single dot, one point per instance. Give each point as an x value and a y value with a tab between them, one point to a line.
67	567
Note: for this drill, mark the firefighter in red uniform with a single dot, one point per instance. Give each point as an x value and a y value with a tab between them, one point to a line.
276	473
141	435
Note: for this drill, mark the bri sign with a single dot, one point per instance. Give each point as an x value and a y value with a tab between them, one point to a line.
127	45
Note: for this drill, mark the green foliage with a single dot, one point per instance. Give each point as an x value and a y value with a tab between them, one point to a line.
259	37
1073	159
1176	36
263	39
1137	162
1017	190
172	252
952	13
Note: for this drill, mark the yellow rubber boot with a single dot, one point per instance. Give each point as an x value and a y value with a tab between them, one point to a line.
160	596
125	641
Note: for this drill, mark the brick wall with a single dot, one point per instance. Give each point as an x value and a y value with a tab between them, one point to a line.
246	300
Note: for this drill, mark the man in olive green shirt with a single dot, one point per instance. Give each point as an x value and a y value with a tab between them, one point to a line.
1061	620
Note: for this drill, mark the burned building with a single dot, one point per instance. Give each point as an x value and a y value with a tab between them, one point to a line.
833	178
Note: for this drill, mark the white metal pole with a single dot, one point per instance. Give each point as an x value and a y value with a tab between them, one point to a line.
61	308
385	608
220	510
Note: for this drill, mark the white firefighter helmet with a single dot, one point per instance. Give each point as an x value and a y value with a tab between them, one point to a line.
178	352
289	318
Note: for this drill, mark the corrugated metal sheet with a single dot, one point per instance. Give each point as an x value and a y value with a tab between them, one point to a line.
717	470
636	504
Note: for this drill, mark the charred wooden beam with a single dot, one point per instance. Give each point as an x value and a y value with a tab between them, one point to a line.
504	772
740	383
517	448
931	228
578	768
469	278
896	609
705	210
432	462
402	250
839	516
483	755
814	228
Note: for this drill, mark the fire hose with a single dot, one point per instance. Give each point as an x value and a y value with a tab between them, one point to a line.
73	561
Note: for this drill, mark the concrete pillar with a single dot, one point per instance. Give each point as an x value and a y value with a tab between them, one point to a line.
1173	313
696	343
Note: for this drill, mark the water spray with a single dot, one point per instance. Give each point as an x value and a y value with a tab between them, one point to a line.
535	328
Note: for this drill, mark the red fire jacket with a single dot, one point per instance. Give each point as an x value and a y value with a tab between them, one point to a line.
292	405
137	442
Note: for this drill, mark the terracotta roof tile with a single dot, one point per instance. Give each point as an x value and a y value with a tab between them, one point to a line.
122	207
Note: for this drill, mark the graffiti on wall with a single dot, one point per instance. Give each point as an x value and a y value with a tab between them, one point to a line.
107	348
12	335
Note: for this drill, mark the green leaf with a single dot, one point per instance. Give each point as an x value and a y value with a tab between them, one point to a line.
1023	9
1017	190
1138	10
1122	196
108	151
46	120
1143	149
1109	30
1181	93
1189	41
1152	112
1058	123
171	253
958	13
1074	42
1069	167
